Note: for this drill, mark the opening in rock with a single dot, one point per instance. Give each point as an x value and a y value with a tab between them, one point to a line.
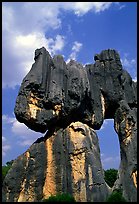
109	145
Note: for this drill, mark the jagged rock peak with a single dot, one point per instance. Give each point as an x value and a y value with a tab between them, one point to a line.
107	55
53	90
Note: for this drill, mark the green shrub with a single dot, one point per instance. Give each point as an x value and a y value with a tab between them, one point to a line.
116	196
6	168
64	197
110	176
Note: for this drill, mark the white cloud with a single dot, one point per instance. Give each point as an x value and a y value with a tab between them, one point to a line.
20	54
130	65
110	161
135	79
25	135
30	42
5	146
75	50
128	62
105	123
77	46
121	7
19	128
26	142
102	155
34	40
20	41
57	45
7	120
31	16
24	29
3	139
83	7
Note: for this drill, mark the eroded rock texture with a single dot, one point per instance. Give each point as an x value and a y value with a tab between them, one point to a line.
68	161
53	90
52	97
126	127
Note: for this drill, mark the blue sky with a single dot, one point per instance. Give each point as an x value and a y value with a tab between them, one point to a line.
77	30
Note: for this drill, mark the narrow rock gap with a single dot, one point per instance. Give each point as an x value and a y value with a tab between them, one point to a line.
109	145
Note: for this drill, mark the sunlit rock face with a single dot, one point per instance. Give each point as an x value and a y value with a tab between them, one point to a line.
126	128
67	160
53	96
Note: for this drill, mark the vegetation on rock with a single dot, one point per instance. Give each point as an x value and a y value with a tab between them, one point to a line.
110	176
6	168
64	197
116	196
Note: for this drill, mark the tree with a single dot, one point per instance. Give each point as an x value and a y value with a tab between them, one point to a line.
6	168
64	197
116	196
110	176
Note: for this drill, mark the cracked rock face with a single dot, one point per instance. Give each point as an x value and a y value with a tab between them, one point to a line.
68	161
53	96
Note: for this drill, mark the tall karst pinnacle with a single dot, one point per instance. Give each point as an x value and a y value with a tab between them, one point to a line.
70	101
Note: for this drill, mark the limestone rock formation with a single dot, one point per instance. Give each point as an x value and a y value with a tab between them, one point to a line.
126	128
53	90
53	96
68	161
